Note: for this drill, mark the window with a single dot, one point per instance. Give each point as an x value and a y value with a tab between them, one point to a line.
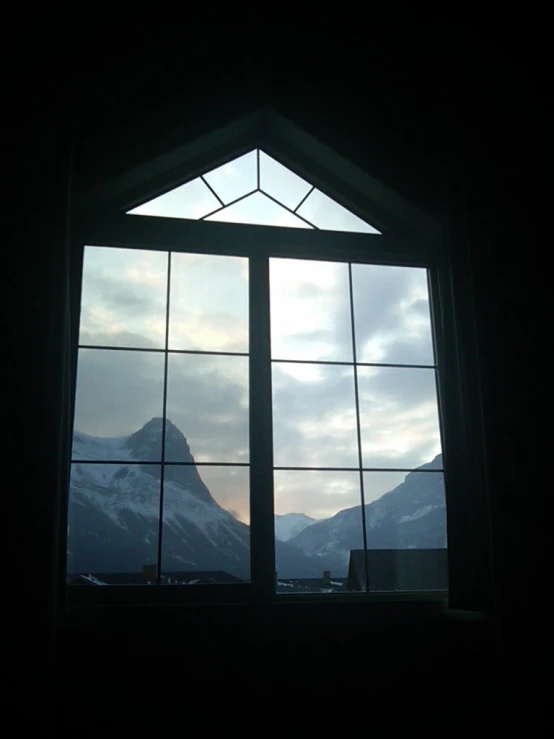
256	407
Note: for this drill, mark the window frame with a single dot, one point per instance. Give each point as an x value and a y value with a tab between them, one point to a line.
259	244
410	237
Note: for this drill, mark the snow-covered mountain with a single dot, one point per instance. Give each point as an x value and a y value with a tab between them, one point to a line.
114	513
290	524
412	516
114	510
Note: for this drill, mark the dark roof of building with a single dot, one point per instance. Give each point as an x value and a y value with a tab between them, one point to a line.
398	569
217	577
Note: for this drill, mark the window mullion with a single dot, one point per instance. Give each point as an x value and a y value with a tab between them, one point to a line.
262	531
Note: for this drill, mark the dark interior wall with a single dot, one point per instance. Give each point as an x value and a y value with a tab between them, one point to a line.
428	118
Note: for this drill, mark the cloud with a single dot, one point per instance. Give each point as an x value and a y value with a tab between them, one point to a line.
391	314
314	412
321	494
118	391
310	310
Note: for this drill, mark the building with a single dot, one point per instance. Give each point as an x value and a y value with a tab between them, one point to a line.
398	570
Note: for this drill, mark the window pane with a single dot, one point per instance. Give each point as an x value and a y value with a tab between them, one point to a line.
207	403
330	216
410	513
123	299
314	416
234	179
323	512
282	184
391	311
310	310
113	522
191	200
398	416
406	532
206	539
259	210
118	392
208	303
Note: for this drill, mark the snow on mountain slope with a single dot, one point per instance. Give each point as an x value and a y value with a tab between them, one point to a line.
114	510
412	516
290	524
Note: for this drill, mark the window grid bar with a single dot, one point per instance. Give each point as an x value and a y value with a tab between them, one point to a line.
211	189
130	462
306	196
161	350
246	354
213	212
258	169
164	411
356	469
267	195
358	424
359	364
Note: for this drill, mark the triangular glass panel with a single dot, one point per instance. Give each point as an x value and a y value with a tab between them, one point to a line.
234	179
282	184
192	200
257	209
255	188
328	215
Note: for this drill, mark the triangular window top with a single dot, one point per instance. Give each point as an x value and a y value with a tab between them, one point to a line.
254	189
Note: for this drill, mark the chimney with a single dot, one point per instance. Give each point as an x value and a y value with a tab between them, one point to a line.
326	577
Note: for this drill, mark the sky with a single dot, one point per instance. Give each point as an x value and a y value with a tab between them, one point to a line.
314	409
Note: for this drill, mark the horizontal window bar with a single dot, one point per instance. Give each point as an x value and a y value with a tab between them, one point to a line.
159	462
212	237
169	351
358	364
356	469
247	464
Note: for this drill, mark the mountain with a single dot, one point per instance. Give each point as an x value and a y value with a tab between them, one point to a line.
290	524
113	512
412	516
114	507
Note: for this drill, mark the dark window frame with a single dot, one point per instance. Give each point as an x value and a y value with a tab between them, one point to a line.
449	273
258	244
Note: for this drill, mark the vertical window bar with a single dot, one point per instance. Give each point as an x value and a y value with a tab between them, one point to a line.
358	424
258	168
164	411
262	530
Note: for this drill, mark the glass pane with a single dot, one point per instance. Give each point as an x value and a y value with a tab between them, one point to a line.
206	538
398	416
123	300
234	179
113	523
282	184
391	311
328	215
260	210
310	310
207	407
314	416
191	200
323	512
118	405
406	531
208	303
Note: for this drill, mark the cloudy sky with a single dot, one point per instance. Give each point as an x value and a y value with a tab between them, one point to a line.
314	410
